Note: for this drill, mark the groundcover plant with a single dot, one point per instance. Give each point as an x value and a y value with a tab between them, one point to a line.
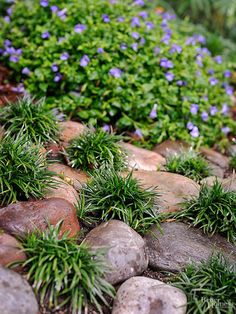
115	62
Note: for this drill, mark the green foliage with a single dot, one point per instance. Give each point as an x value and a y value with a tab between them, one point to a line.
93	93
210	287
233	162
95	148
63	272
190	164
214	211
108	195
23	171
31	118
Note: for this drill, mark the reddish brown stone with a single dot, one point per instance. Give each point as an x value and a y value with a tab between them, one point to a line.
215	157
70	130
23	217
169	147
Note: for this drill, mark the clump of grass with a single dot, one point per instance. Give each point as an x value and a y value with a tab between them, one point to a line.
190	164
95	148
233	162
63	272
210	287
30	117
108	195
214	210
23	171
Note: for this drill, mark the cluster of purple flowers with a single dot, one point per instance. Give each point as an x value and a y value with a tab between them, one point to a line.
13	53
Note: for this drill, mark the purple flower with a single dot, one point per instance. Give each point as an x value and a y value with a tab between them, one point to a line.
190	41
7	43
57	77
227	73
142	41
213	81
229	90
143	14
204	116
14	58
123	46
105	18
225	109
210	71
120	19
153	113
175	48
157	50
225	130
195	132
213	110
169	76
165	63
45	35
9	11
44	3
25	71
106	128
7	19
84	61
190	126
62	14
54	8
164	23
199	61
139	2
149	25
166	39
134	46
194	109
64	56
135	35
100	50
79	28
218	59
181	83
201	39
115	72
135	22
54	68
138	133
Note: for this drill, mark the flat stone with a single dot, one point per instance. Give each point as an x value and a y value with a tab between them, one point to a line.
70	130
215	157
23	217
210	180
141	295
143	159
125	249
173	188
178	245
16	295
170	147
63	190
216	170
10	250
74	177
230	183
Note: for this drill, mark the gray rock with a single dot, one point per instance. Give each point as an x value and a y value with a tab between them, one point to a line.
216	170
16	295
141	295
179	244
215	157
125	249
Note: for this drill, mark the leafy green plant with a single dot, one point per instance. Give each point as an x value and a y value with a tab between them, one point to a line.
233	162
115	63
94	148
23	171
108	195
214	210
210	287
64	272
190	164
31	118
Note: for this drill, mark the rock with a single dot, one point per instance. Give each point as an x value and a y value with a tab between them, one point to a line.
70	130
232	150
210	180
143	159
63	190
216	171
74	177
141	295
230	183
23	217
179	244
16	295
10	250
173	188
215	157
125	249
170	147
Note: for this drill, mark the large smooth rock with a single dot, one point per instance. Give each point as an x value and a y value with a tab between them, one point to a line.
63	190
172	188
143	159
74	177
228	184
22	217
178	245
170	147
215	157
125	249
141	295
16	295
70	130
10	250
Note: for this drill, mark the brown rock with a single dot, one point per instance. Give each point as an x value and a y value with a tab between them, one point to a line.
23	217
230	183
215	157
170	147
173	188
143	159
10	250
216	170
63	190
74	177
70	130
